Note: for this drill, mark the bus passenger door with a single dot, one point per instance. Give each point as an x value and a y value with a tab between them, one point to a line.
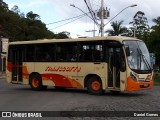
17	65
114	67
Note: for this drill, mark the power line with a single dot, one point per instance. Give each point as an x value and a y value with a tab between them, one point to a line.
90	5
91	12
67	19
68	22
85	13
94	13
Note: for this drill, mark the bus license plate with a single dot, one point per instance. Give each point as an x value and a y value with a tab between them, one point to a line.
145	85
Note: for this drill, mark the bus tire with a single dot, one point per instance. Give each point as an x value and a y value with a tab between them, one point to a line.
94	86
36	82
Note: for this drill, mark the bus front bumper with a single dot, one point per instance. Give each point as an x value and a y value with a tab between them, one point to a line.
134	85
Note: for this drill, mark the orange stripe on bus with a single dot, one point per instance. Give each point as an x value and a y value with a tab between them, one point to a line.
60	80
25	72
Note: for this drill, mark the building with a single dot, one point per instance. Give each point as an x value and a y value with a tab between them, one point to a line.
3	53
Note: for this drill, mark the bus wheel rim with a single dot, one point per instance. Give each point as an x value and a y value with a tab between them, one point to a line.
35	82
96	85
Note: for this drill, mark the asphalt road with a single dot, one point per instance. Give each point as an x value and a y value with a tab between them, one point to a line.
22	98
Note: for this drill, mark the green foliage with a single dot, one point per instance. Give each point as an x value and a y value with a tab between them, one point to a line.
156	78
61	36
154	39
17	27
157	21
117	28
32	16
140	26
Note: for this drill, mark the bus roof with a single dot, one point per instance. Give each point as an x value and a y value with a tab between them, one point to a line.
117	38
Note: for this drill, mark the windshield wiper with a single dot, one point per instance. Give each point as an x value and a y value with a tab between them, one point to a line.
144	58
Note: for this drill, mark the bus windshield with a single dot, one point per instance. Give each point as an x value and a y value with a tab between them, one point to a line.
139	59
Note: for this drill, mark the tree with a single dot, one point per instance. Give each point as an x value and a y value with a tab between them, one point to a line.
154	43
32	16
18	27
62	35
3	10
156	21
117	29
3	6
140	25
15	9
2	33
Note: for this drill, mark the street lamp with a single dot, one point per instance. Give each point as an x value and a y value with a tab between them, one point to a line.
83	12
89	17
120	12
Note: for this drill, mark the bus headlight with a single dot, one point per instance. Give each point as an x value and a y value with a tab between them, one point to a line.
133	77
148	78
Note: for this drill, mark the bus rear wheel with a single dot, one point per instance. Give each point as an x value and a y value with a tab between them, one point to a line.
36	82
94	86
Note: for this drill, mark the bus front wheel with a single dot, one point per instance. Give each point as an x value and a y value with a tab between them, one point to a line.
36	82
94	86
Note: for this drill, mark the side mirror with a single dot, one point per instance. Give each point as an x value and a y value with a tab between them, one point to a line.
127	50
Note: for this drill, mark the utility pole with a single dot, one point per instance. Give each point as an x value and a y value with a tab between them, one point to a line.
103	14
102	18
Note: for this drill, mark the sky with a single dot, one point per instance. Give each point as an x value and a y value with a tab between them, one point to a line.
51	11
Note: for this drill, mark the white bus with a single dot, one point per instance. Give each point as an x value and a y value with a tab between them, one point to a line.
101	63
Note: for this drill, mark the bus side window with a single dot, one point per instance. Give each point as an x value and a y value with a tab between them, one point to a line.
87	55
30	53
45	52
97	55
91	51
66	52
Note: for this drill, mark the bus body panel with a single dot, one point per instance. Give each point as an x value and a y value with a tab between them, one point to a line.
74	73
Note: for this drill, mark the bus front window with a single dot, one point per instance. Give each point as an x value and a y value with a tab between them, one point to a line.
139	59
